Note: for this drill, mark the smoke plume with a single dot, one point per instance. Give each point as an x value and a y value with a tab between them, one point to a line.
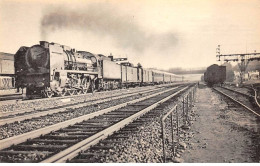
107	21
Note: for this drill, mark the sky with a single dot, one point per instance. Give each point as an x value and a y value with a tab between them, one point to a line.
160	34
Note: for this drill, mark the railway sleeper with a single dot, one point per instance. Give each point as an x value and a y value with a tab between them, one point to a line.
132	127
123	112
150	117
111	141
119	136
88	155
101	120
79	126
76	133
126	109
65	137
87	123
118	116
40	147
96	147
84	160
84	129
135	124
120	113
11	152
138	105
53	141
126	130
143	119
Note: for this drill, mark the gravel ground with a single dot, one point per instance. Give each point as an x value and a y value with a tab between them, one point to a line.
17	128
222	134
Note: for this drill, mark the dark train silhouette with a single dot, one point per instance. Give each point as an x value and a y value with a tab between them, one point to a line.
215	75
51	69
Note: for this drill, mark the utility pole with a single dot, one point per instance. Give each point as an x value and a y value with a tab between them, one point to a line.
242	59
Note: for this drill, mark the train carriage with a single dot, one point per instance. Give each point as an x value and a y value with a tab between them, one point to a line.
176	78
167	77
130	76
158	77
147	77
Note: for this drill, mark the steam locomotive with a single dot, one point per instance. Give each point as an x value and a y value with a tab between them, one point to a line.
51	69
215	75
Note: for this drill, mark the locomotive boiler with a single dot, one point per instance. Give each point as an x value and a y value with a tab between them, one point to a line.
52	69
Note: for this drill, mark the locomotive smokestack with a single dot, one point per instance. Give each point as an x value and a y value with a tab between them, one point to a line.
111	57
45	44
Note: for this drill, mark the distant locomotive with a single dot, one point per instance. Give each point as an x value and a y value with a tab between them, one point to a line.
52	69
215	75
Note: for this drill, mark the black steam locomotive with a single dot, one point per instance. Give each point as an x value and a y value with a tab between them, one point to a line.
50	69
215	75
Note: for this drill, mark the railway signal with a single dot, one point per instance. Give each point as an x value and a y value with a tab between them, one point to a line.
242	59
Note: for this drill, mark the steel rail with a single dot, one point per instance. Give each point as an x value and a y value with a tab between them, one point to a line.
74	96
5	143
89	94
4	114
73	151
10	97
238	92
238	102
34	114
256	101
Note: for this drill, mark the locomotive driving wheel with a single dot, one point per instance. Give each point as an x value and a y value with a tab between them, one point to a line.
79	92
85	91
63	92
71	92
49	94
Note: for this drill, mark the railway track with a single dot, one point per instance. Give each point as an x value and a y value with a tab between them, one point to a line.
241	99
63	141
8	109
10	97
239	92
16	116
255	97
88	95
63	114
14	105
